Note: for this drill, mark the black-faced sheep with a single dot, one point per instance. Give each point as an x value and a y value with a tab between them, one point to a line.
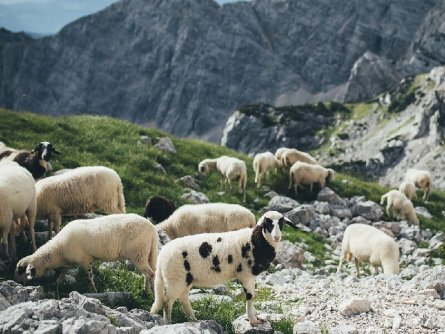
207	218
36	161
78	191
158	208
308	174
368	244
206	260
17	200
230	168
398	203
262	164
422	179
109	238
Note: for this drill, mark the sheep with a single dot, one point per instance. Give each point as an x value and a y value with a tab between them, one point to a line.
36	161
279	152
109	238
305	173
369	244
159	208
422	179
206	218
398	202
408	189
292	155
230	168
262	163
17	200
208	259
81	190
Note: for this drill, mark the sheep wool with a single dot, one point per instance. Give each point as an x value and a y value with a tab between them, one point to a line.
262	164
110	238
78	191
306	173
209	259
207	218
368	244
398	203
17	200
292	155
408	189
422	179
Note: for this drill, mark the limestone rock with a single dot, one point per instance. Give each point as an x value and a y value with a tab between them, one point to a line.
195	197
281	204
354	306
166	144
306	327
189	181
242	325
290	255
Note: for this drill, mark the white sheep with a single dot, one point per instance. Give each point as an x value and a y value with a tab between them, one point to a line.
305	173
206	260
206	218
368	244
408	189
292	155
279	152
398	203
422	179
109	238
230	169
17	200
262	164
78	191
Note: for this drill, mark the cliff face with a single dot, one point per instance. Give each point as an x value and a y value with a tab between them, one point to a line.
185	65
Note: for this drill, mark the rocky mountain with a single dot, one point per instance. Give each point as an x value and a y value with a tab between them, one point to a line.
184	66
401	129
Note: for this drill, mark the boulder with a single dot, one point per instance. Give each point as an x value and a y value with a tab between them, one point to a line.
328	195
242	325
306	327
354	306
199	327
165	144
189	182
290	255
304	214
281	204
368	210
195	197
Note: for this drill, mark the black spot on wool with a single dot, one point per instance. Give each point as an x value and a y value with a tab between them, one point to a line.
263	252
248	296
230	258
219	239
239	268
205	249
245	250
216	264
249	262
187	265
184	254
189	278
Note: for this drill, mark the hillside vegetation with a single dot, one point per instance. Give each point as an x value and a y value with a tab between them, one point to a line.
93	140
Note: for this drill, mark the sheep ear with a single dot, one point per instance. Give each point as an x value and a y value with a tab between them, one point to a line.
55	151
290	223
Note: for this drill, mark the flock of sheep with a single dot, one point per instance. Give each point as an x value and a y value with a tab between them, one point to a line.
214	242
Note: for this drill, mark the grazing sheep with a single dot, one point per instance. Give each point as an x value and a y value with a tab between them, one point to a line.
206	260
262	164
422	179
206	218
368	244
408	189
399	203
279	152
292	155
36	161
110	238
159	208
305	173
17	200
78	191
230	168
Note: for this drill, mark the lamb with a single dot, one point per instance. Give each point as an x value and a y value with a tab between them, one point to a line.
108	238
292	155
398	202
408	189
159	208
36	161
209	259
206	218
230	168
78	191
422	179
262	164
17	200
305	173
367	243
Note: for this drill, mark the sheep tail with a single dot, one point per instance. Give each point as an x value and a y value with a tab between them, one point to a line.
121	199
159	292
383	199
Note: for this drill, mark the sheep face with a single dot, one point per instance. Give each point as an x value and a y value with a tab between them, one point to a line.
33	272
20	271
272	223
203	167
331	175
45	150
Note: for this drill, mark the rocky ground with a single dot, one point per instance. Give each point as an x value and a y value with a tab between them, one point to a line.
300	288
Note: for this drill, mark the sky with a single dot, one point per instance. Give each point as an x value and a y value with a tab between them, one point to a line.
45	17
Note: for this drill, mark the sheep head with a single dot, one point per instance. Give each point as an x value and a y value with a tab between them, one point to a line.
272	223
45	150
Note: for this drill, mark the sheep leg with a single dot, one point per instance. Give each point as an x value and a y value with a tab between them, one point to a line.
31	217
357	267
61	276
376	270
168	307
186	306
249	292
148	273
57	223
12	244
5	235
340	263
89	271
50	227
